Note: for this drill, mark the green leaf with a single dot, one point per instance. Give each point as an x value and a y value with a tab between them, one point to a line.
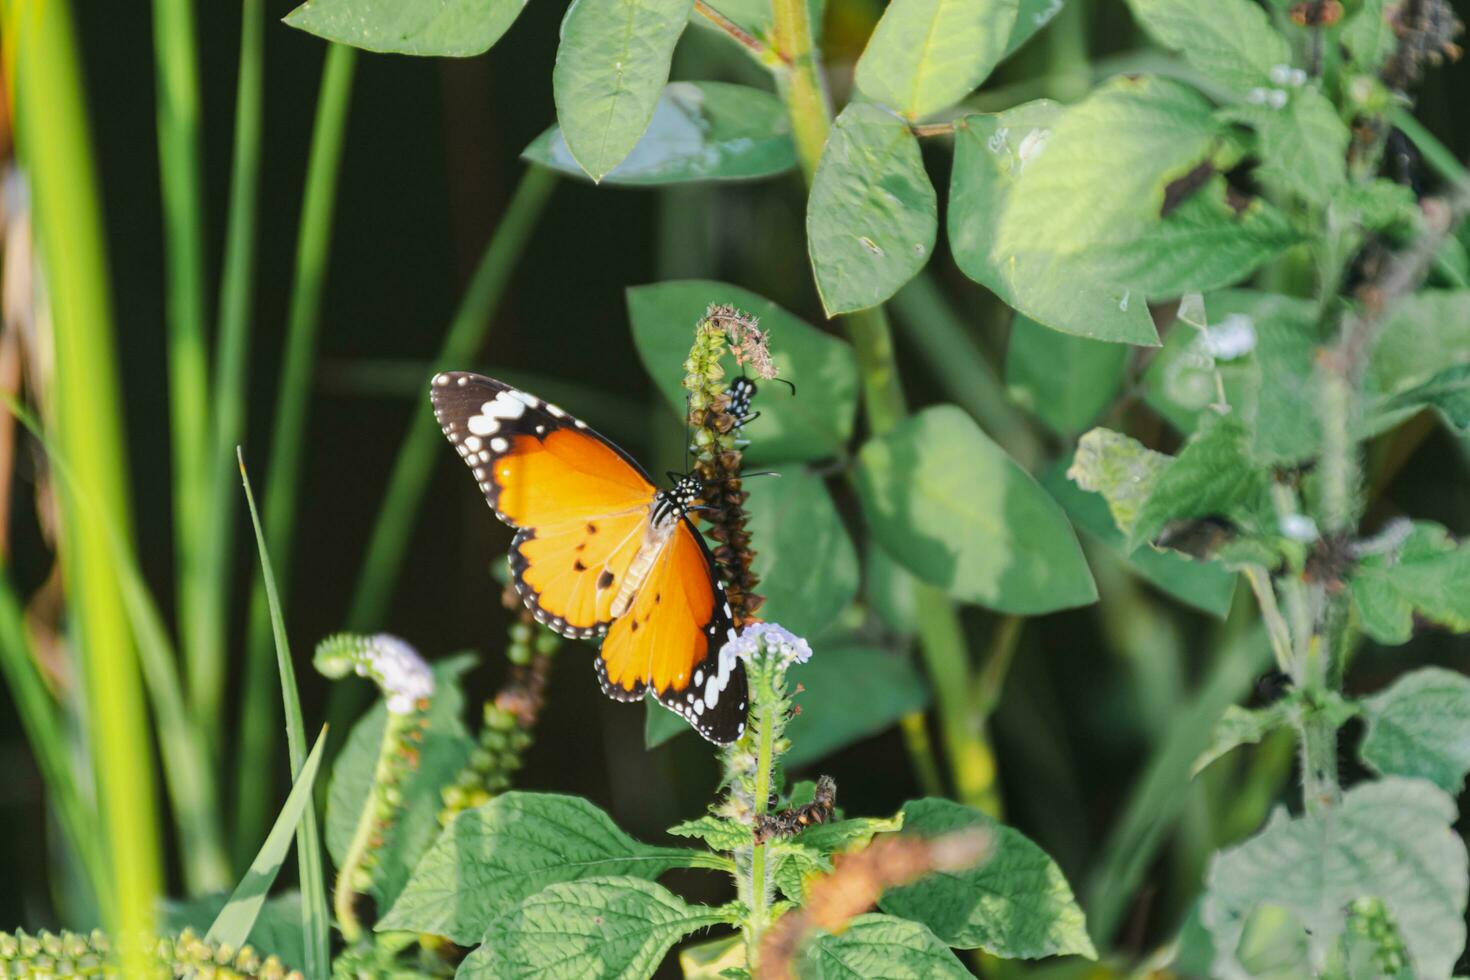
611	66
708	960
926	55
793	864
872	214
1303	145
238	918
1122	469
846	835
991	152
699	131
719	833
277	929
889	589
1427	576
1213	475
1380	204
1065	381
1390	839
880	946
1242	726
1435	320
815	423
1016	905
495	855
1368	36
455	28
1420	727
852	693
1231	41
797	529
1206	585
443	753
660	724
1447	392
611	927
954	509
1031	16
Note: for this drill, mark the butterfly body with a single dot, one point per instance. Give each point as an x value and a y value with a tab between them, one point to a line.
599	551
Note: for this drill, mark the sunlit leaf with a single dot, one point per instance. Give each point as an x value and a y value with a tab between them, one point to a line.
880	946
925	55
1231	41
797	530
457	28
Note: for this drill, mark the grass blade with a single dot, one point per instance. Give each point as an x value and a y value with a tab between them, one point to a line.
55	144
257	738
237	918
308	842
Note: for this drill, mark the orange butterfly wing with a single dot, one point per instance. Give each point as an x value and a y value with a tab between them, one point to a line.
582	507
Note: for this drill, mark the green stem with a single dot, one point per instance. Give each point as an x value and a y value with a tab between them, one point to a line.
1439	157
800	81
55	146
971	759
180	168
257	736
394	730
921	754
760	888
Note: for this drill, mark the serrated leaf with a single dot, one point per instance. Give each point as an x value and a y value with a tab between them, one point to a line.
852	692
880	946
1242	726
991	153
796	528
1122	470
1064	381
1213	475
611	66
1303	145
456	28
793	864
954	509
1428	576
1016	905
1390	839
1420	727
1379	204
700	131
1231	41
718	833
1435	320
495	855
611	927
926	55
814	423
845	835
1447	393
443	753
872	214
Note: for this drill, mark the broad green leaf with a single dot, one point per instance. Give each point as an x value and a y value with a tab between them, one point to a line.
277	928
1447	392
1206	585
1213	475
814	423
889	589
457	28
1368	36
1016	905
1231	41
699	131
1065	381
1031	16
794	865
1303	145
611	66
443	753
880	946
872	214
1420	727
926	55
1380	204
852	692
709	960
237	919
991	152
495	855
1242	726
1436	320
610	927
1122	469
797	530
719	833
954	509
850	834
1390	839
660	724
1426	577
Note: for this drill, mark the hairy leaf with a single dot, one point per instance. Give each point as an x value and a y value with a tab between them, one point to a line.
611	66
880	946
1427	576
1016	905
1122	469
1435	320
1389	839
1242	726
1303	145
495	855
1231	41
954	509
1213	475
1420	727
612	927
872	214
926	55
718	833
700	131
797	529
1368	36
457	28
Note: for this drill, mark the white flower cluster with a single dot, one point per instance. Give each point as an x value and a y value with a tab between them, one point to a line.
767	640
397	668
1232	337
1284	76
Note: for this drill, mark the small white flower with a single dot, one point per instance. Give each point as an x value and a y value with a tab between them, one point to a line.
1276	98
402	674
1298	527
1280	74
768	639
1256	96
1234	336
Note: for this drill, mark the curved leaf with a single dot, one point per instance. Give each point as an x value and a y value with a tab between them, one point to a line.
925	55
456	28
807	565
880	946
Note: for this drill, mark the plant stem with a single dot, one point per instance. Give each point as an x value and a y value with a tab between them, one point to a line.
54	143
752	44
760	887
180	168
394	730
800	82
921	754
258	726
971	760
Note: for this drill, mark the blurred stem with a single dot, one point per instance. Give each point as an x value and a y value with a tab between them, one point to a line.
1436	154
941	636
950	351
258	726
54	143
180	168
395	728
759	886
232	357
992	677
466	335
921	754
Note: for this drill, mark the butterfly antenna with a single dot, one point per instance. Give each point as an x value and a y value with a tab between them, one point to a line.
747	476
788	384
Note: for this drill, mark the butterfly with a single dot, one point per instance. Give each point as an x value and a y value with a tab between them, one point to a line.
599	551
